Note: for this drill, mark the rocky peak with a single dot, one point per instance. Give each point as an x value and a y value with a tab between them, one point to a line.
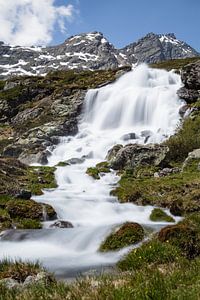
90	51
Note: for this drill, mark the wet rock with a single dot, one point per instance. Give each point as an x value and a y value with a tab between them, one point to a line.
23	194
183	110
133	155
61	224
188	94
129	136
74	161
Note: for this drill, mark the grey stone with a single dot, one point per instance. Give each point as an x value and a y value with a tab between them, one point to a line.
10	283
133	155
61	224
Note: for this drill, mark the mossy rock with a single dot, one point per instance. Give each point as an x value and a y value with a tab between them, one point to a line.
27	224
150	253
158	215
183	236
102	167
29	209
93	172
126	235
62	164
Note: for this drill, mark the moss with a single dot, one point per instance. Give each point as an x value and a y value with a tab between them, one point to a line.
158	215
62	164
184	235
152	252
93	172
2	84
27	224
102	167
176	64
39	178
28	209
126	235
18	270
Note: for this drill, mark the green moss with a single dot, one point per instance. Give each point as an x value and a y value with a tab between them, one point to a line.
176	64
28	209
12	94
39	178
102	167
153	252
184	235
27	224
62	164
158	215
93	172
126	235
2	84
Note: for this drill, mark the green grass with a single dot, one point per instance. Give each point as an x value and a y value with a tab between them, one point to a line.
176	64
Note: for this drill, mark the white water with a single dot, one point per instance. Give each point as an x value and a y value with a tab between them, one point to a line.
144	99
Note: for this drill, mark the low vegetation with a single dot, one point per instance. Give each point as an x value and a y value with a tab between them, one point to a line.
174	64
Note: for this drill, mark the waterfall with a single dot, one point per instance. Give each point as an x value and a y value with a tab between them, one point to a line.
143	105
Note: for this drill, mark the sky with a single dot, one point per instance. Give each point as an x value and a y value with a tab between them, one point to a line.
44	22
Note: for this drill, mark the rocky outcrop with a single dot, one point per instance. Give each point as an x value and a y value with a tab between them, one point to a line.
134	155
89	51
190	75
38	111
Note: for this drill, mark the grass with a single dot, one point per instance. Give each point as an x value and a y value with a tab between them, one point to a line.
126	235
18	270
176	64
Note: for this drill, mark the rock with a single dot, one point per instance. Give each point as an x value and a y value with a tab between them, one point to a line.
195	154
41	278
29	209
129	136
74	161
183	110
146	134
176	208
166	172
23	194
10	283
190	75
61	224
113	152
134	155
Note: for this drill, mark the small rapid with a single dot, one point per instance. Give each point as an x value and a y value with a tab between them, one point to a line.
141	101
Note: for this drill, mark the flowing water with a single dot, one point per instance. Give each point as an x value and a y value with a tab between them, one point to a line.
143	102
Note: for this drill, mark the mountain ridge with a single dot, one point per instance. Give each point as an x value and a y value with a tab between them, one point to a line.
90	51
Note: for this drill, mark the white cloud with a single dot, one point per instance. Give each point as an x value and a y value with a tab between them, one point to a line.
32	22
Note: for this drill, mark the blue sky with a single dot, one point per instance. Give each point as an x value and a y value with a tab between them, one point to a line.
124	21
43	22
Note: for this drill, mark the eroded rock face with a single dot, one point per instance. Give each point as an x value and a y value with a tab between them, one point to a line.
133	155
190	76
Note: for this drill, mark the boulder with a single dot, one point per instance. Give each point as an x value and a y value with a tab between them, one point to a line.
133	155
125	235
129	136
190	76
61	224
23	194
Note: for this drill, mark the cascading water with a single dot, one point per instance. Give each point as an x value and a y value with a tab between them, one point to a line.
142	102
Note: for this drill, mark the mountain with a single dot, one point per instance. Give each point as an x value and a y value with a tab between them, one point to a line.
90	51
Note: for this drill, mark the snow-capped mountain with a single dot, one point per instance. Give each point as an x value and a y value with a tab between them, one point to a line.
90	51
